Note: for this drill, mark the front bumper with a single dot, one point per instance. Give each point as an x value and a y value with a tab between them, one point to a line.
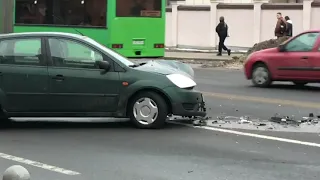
186	102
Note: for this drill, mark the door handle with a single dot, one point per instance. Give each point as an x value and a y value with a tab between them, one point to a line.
58	77
304	57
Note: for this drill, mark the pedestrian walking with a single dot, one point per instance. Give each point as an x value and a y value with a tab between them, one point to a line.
222	31
289	26
281	26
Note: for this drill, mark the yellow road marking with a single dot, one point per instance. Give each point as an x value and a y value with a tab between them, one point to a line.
303	104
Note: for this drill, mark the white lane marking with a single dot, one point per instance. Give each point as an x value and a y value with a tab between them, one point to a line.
38	164
253	135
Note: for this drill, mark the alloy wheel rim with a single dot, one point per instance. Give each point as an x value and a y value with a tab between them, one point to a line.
145	111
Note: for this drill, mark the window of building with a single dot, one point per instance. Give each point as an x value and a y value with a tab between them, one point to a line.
138	8
21	52
61	12
302	43
68	53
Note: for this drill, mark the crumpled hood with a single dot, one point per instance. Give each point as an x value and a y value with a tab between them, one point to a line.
166	67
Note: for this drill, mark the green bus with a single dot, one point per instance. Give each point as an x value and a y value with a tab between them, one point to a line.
134	28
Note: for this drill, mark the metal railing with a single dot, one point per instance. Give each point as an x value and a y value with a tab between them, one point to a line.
16	172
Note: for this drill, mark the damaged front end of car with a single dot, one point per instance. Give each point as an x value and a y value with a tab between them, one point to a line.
200	120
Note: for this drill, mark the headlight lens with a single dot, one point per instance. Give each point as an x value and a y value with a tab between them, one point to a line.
181	81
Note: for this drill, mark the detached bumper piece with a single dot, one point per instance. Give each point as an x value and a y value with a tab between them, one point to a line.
192	108
202	106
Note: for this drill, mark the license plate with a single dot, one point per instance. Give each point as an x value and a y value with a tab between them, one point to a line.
138	42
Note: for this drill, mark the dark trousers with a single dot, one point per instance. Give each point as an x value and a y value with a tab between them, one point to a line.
221	44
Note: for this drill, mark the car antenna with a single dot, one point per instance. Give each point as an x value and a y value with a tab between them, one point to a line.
66	24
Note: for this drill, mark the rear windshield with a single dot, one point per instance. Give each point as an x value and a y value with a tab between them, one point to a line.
138	8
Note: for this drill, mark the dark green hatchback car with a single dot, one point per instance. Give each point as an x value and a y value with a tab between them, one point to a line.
47	74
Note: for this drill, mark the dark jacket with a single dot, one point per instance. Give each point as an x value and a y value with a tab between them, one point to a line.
222	29
289	28
278	31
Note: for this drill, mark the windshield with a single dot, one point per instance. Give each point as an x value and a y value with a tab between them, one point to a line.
116	55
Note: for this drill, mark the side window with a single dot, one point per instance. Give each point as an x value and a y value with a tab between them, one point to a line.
68	53
21	52
302	43
138	8
89	13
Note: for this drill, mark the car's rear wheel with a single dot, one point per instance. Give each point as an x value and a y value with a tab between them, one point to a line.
148	110
5	121
299	83
261	76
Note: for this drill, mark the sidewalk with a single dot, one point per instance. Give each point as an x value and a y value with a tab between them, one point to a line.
200	56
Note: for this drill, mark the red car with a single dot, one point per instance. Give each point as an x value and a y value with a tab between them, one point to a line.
296	60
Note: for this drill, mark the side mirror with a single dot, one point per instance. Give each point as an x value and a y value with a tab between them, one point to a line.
281	48
105	65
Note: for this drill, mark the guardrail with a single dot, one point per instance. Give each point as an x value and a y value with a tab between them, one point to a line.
16	172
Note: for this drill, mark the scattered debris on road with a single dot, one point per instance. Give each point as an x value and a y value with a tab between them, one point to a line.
276	123
196	121
291	120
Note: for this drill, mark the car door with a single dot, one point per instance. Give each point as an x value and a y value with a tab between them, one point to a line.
295	60
24	74
314	59
76	83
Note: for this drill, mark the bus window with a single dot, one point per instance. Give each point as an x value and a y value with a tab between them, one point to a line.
138	8
61	12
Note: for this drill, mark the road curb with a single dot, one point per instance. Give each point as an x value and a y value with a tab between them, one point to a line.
202	51
196	59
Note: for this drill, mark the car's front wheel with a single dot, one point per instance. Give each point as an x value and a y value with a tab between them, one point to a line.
261	76
148	110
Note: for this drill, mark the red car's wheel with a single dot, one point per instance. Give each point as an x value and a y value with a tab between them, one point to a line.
261	76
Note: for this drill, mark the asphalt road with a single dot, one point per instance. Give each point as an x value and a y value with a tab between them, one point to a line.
228	92
119	152
116	151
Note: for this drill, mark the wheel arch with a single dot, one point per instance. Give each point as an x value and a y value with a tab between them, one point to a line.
3	112
2	99
256	63
150	89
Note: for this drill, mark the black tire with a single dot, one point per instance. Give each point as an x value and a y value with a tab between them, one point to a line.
161	104
5	121
264	69
300	83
